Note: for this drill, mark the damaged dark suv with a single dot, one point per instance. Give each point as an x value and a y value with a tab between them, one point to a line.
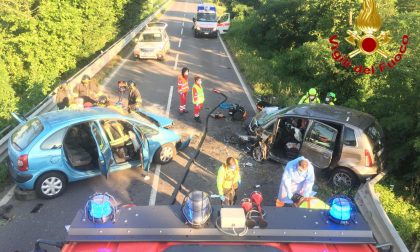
346	141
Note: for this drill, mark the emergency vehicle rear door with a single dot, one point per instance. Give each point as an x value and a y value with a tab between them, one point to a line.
104	150
223	23
318	144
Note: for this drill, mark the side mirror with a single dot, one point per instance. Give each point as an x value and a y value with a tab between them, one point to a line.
194	19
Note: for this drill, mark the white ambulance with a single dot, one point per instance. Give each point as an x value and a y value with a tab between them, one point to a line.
206	23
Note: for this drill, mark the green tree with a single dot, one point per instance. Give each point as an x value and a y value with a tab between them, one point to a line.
7	98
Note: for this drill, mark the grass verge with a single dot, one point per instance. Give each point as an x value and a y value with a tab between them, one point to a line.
404	216
4	176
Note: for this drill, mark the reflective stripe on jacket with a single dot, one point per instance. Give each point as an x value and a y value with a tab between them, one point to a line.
182	84
197	94
305	100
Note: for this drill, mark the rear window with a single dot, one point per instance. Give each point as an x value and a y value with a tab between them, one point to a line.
151	37
26	134
375	136
349	137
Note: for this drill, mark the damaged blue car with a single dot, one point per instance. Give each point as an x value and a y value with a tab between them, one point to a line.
55	148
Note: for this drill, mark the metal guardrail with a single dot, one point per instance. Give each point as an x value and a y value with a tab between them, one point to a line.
49	104
371	208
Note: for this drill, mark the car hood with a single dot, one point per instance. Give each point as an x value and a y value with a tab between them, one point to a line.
158	120
207	24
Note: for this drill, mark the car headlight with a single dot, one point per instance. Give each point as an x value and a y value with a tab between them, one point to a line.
198	28
214	28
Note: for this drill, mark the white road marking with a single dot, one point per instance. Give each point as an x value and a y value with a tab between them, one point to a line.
184	14
182	24
179	44
155	185
7	197
110	77
168	106
244	86
176	61
182	31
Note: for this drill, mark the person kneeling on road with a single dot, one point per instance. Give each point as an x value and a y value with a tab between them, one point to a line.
228	181
296	183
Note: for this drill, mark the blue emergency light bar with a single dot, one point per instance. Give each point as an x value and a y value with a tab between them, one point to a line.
206	8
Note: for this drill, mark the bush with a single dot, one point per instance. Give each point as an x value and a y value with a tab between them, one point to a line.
42	41
404	216
4	175
284	55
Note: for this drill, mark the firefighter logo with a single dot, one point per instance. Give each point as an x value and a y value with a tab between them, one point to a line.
369	22
367	41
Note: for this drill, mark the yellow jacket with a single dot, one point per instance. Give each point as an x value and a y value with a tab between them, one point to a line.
227	178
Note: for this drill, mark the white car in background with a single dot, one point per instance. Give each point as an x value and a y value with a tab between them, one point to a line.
153	42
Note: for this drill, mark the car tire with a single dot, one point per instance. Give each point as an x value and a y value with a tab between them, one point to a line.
342	177
165	153
50	185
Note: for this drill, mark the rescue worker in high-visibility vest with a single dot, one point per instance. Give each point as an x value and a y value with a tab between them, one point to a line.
296	183
330	99
197	98
311	97
228	181
183	89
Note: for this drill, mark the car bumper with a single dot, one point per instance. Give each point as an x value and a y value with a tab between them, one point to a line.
364	172
154	55
23	180
206	33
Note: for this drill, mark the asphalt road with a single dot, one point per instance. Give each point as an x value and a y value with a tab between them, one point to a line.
157	82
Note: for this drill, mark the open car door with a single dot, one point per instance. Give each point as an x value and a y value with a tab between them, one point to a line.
144	148
318	144
104	150
223	23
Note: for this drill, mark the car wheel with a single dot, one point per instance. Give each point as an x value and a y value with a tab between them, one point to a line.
51	185
344	178
165	154
257	154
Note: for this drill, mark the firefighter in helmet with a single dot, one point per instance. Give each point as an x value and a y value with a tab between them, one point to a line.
311	97
86	89
330	98
134	96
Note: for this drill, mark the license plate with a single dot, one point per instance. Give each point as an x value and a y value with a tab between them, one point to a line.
206	33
